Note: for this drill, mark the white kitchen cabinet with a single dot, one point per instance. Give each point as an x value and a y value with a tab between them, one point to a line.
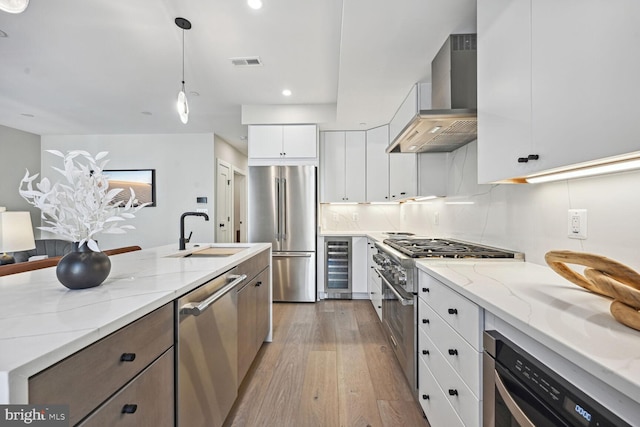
504	88
282	143
374	280
377	164
449	350
403	174
543	91
343	166
359	278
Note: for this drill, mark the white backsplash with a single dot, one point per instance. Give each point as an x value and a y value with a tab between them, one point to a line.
527	218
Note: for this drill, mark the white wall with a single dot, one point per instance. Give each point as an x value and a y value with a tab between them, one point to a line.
185	169
18	151
228	153
527	218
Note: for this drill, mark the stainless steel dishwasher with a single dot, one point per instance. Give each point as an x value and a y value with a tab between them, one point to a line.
207	374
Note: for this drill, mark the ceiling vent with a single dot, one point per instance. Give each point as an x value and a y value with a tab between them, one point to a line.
247	61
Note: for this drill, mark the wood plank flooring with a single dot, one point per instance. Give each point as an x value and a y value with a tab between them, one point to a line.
329	365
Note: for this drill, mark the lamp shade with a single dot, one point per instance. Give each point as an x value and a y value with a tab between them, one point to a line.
16	232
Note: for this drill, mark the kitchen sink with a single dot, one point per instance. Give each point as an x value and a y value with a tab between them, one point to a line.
208	252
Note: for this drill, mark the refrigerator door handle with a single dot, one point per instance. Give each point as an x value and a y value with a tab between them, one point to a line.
291	255
277	216
284	209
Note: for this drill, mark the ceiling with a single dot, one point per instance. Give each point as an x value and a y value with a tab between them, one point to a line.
115	67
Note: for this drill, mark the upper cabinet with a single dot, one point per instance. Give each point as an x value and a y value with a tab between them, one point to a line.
377	164
282	144
343	163
557	84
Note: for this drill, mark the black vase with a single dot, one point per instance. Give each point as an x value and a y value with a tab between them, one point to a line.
82	268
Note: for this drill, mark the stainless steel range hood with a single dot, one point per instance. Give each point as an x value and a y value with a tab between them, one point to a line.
452	120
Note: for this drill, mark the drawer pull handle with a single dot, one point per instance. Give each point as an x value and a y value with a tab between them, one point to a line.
425	320
128	357
258	283
425	352
425	397
425	289
453	352
129	409
453	392
453	311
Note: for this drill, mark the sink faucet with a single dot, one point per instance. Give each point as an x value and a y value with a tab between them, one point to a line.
183	241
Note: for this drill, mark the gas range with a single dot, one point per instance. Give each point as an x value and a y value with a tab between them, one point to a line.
396	257
447	248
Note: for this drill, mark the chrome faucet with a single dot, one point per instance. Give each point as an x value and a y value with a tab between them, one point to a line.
183	240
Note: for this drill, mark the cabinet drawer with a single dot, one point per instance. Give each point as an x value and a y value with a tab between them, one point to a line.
463	401
462	314
254	265
463	358
145	401
87	378
433	401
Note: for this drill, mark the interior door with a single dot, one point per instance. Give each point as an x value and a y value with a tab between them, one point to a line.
224	207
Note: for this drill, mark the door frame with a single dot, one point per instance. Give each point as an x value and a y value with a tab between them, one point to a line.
240	189
229	213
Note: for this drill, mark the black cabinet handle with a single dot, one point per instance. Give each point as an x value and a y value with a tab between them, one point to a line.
529	157
425	320
425	289
129	408
453	352
453	392
425	352
425	397
258	283
128	357
403	193
379	306
453	311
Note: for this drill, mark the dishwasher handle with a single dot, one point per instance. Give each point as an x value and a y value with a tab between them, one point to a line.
197	308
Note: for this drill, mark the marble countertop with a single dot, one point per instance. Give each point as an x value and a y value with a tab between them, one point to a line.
563	317
42	322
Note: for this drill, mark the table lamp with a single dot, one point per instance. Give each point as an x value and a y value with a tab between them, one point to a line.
16	234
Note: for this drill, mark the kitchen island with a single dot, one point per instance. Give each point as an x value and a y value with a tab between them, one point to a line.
42	322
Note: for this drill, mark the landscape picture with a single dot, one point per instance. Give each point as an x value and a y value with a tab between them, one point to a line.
142	181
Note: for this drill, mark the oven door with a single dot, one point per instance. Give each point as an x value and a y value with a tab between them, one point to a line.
398	319
512	403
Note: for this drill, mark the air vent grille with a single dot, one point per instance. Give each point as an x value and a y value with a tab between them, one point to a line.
463	42
247	61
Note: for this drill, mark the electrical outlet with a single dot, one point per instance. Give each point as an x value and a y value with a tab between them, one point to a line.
354	216
436	218
577	224
335	216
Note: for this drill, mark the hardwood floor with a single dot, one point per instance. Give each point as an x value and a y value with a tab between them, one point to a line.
328	365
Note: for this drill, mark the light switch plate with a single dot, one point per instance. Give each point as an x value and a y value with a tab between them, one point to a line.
577	224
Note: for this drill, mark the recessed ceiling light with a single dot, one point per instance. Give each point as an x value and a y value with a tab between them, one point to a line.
194	93
286	92
255	4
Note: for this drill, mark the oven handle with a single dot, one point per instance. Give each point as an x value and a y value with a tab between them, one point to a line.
402	300
513	407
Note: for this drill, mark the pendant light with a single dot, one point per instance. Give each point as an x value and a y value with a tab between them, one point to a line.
183	105
13	6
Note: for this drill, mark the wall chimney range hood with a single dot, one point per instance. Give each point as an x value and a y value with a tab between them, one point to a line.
450	121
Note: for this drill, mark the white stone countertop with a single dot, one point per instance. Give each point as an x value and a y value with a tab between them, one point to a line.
42	322
565	318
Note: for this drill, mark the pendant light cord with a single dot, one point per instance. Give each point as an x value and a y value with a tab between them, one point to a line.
183	59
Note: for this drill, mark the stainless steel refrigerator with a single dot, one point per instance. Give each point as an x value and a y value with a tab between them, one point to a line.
282	210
